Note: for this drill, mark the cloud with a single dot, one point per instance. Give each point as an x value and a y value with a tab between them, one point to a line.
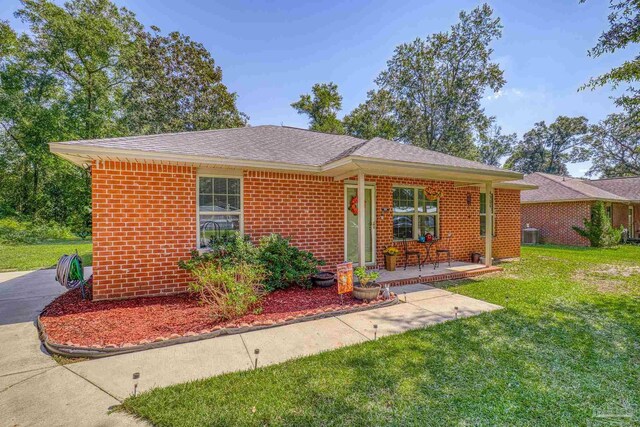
509	93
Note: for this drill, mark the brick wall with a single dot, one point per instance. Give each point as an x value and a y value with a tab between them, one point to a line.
143	223
144	219
554	220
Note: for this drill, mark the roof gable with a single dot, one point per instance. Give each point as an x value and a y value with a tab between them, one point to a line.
554	188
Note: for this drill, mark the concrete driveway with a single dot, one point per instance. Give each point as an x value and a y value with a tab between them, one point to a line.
34	389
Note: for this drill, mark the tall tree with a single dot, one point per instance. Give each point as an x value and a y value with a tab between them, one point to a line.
322	107
624	21
615	144
493	145
549	148
437	83
176	86
373	118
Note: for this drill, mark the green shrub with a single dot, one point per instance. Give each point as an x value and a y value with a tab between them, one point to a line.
230	291
284	264
598	230
14	231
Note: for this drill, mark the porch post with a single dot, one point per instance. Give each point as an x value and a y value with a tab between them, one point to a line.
361	222
488	240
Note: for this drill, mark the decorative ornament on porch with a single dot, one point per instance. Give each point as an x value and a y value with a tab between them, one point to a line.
390	257
432	194
353	205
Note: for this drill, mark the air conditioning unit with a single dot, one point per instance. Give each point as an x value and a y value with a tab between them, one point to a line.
530	236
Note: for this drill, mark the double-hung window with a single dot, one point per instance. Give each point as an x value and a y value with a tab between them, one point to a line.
413	214
219	207
483	214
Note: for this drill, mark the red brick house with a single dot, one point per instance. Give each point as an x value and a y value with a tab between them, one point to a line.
155	196
559	203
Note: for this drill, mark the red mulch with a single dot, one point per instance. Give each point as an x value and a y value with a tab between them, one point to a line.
73	321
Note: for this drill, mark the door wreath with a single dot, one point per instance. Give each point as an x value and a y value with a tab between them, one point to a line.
353	205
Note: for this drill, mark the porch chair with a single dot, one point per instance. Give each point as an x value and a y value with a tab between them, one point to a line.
408	253
443	247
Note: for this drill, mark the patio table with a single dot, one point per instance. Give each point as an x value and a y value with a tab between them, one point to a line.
428	245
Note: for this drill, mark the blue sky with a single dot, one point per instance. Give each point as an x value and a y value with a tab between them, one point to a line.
271	52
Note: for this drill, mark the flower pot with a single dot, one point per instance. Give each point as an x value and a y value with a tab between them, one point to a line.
366	294
475	257
390	262
323	279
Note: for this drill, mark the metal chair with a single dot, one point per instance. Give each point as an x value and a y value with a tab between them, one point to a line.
408	253
443	247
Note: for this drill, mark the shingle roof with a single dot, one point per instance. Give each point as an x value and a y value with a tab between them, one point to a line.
268	143
553	188
627	187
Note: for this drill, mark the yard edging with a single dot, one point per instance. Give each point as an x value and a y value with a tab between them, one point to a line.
99	352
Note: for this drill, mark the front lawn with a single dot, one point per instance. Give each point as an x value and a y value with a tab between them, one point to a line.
43	255
565	351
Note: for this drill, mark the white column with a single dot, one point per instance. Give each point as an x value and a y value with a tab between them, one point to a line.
488	240
361	223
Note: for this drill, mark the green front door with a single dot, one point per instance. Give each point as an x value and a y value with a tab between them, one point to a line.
351	244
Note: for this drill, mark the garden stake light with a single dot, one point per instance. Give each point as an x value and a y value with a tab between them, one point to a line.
375	332
405	296
136	376
256	352
456	311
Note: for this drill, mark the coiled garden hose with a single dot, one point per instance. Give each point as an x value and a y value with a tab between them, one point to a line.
69	272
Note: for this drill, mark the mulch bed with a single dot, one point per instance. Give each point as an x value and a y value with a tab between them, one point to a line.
71	321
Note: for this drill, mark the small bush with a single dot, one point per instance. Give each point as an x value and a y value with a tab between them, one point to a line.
284	264
233	248
230	291
14	231
598	229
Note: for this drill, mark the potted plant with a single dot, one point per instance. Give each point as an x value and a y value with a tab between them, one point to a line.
367	289
390	257
324	279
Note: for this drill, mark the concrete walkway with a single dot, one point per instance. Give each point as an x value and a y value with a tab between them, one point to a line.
36	391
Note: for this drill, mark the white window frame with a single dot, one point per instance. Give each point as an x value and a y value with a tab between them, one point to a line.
493	214
240	213
415	214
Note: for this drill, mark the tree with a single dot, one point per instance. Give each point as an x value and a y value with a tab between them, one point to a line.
624	21
373	118
615	144
494	146
549	148
176	86
322	108
598	229
437	84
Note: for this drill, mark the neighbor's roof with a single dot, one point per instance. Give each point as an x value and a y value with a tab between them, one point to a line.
627	187
554	188
293	148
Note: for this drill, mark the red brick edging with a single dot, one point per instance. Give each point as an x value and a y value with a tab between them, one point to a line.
456	275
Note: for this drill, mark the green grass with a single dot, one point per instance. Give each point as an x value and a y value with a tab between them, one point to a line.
43	255
566	346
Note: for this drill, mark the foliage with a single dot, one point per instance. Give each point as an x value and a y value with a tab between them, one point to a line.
549	148
366	278
233	248
22	257
437	84
14	231
230	291
493	145
176	86
392	251
624	29
88	69
322	108
559	350
285	264
373	118
598	229
615	146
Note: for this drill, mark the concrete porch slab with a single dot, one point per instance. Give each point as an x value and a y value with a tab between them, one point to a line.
417	295
391	320
300	339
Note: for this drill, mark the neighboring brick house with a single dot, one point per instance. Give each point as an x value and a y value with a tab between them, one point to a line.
157	197
559	203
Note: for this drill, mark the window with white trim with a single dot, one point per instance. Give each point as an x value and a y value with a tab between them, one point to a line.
483	214
413	214
219	207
